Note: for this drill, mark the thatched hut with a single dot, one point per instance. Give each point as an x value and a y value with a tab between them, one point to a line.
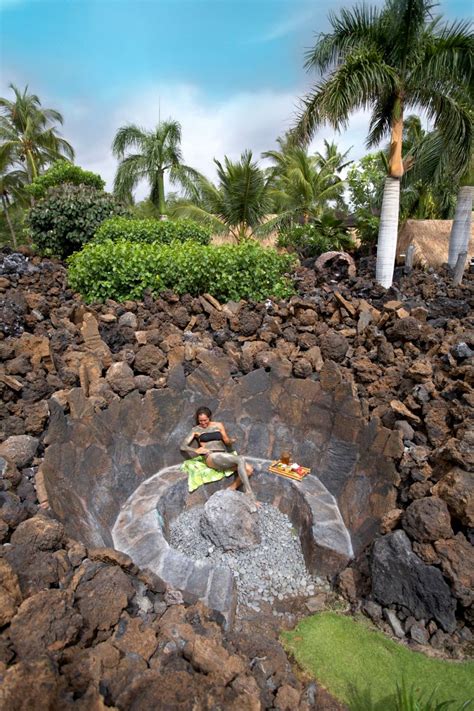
431	240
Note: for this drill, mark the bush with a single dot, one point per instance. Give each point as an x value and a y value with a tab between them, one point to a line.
122	270
162	231
323	235
68	217
63	172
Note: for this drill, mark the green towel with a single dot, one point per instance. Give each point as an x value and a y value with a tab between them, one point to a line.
199	473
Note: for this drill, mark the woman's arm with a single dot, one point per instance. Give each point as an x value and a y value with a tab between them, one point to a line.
185	446
225	437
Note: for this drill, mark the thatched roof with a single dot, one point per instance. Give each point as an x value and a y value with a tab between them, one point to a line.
431	240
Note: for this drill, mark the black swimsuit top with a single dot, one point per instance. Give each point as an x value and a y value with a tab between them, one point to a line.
209	437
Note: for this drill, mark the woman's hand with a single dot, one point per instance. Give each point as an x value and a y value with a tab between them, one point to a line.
202	450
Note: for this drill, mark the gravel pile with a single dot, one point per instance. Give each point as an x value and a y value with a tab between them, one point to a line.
272	570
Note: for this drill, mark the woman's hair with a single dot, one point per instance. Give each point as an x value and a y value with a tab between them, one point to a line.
203	411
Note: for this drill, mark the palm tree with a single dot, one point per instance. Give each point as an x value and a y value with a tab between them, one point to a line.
304	185
390	60
461	229
158	151
238	204
28	133
12	183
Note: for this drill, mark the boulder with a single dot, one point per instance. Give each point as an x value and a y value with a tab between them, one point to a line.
45	623
120	378
19	449
34	686
10	594
457	490
399	577
333	346
150	360
427	520
41	532
457	563
102	593
229	521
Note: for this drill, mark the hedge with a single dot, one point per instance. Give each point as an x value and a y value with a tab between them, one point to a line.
149	230
123	270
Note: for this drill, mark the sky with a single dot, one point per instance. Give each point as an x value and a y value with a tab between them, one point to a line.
230	71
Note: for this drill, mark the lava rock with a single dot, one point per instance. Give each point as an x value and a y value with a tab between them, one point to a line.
457	490
427	520
19	449
399	577
229	521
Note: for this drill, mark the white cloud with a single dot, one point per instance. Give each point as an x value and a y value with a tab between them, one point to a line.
210	129
285	27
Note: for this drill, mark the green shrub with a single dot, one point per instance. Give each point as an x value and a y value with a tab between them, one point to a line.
68	217
323	235
63	172
162	231
122	270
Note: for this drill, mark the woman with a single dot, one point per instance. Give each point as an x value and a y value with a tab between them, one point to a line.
212	441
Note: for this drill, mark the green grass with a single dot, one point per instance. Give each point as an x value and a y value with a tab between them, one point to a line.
360	666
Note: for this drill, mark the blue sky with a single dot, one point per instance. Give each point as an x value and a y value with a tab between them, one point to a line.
230	71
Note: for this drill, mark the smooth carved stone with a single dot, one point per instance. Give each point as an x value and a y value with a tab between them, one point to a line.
230	522
19	449
457	563
399	577
457	490
427	520
102	594
10	594
45	622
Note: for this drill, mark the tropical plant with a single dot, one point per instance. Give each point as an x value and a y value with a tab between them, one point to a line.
68	217
123	270
321	235
389	60
162	231
239	204
12	192
461	229
63	172
28	133
303	186
158	152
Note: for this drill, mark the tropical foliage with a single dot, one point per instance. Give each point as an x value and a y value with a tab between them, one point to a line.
63	172
304	185
28	133
68	217
312	239
389	60
157	152
240	202
123	270
161	231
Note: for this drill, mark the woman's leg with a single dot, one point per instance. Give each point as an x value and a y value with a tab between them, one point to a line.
223	461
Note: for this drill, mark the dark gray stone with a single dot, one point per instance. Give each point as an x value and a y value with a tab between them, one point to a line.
230	522
399	577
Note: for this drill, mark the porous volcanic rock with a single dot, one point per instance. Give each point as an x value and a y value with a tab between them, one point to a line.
399	577
229	521
427	520
457	490
457	563
20	449
102	592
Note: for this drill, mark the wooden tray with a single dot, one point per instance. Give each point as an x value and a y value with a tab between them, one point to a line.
286	471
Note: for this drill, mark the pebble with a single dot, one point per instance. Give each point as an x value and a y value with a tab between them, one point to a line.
273	569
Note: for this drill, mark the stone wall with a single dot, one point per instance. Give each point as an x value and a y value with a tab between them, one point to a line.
95	461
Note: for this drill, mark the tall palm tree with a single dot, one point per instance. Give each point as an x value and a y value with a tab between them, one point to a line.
305	185
12	184
28	133
158	152
389	60
240	202
461	228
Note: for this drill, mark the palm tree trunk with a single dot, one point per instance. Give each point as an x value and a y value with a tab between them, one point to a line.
161	196
388	232
388	229
32	165
9	222
461	229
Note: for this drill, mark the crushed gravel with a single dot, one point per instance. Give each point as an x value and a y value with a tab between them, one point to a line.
272	570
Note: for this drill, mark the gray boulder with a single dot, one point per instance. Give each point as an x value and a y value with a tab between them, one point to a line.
399	577
229	521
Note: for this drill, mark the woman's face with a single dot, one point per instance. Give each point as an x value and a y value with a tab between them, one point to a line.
203	420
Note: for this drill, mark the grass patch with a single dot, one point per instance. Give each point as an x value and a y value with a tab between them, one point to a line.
357	663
